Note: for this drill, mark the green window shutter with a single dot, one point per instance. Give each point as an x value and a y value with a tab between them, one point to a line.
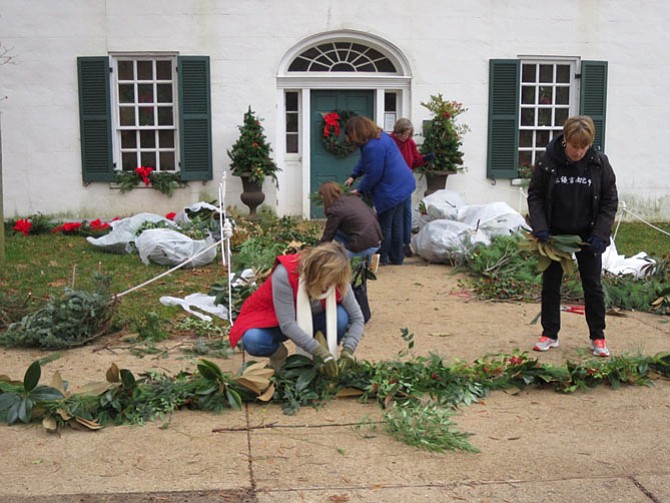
195	118
503	134
95	119
593	97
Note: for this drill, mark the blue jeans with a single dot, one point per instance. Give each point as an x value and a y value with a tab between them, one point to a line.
265	341
391	221
344	238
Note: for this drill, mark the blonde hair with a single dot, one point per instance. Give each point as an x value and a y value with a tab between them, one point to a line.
360	129
323	266
329	193
403	126
579	131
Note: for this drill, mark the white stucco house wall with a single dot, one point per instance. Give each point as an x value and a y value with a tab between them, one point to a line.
92	86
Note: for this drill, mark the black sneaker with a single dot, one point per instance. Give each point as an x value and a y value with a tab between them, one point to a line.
408	251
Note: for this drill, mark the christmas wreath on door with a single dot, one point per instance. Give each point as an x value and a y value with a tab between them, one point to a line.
333	137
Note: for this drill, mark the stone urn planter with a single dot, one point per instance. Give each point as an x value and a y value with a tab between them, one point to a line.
252	195
436	181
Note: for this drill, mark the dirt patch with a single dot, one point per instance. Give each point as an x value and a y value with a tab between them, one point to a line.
182	459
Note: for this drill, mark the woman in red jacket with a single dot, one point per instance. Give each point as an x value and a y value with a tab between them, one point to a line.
403	132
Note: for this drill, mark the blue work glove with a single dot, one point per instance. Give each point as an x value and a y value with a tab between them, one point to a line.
428	157
597	244
542	236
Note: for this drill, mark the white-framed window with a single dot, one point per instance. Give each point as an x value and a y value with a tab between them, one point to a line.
144	94
546	100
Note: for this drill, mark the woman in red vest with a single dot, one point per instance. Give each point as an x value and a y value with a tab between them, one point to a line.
304	292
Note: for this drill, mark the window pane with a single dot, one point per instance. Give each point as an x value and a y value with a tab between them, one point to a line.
563	74
145	70
561	116
164	93
546	73
528	73
127	116
164	70
525	138
126	93
291	123
129	161
128	139
148	159
165	116
292	143
525	158
166	139
562	95
145	93
544	117
292	101
147	139
167	161
542	139
146	116
390	101
126	70
528	95
527	117
545	95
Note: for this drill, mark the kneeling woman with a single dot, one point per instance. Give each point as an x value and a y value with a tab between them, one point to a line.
306	293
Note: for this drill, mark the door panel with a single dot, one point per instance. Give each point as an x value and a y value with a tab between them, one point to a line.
324	165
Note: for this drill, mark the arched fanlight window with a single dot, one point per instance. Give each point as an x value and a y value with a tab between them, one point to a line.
342	57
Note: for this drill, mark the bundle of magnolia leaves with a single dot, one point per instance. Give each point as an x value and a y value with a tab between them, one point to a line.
557	248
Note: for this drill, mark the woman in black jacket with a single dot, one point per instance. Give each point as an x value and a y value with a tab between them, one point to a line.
573	191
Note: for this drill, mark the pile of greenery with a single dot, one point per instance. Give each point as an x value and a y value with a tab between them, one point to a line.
71	319
419	394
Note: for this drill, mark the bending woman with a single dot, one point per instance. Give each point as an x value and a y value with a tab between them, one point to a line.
303	293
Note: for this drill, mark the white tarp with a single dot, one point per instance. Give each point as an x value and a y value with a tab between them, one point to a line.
169	247
123	234
639	265
496	219
442	241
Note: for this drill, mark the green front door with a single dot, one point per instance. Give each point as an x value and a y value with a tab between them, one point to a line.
324	165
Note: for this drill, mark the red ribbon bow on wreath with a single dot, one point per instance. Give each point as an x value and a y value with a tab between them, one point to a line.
332	120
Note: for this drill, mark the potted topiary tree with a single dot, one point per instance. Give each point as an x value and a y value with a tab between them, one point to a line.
442	136
251	161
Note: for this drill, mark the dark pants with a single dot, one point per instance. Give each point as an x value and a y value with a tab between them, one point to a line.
407	221
590	270
391	221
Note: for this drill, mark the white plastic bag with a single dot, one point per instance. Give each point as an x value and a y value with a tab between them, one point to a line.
639	265
168	247
442	241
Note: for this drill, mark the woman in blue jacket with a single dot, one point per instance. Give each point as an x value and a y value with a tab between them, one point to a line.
386	180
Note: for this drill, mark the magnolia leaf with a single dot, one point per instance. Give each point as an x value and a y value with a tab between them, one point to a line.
5	378
127	378
112	374
63	414
50	424
269	393
250	385
347	392
43	393
90	424
97	388
258	369
388	401
210	370
57	382
32	376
